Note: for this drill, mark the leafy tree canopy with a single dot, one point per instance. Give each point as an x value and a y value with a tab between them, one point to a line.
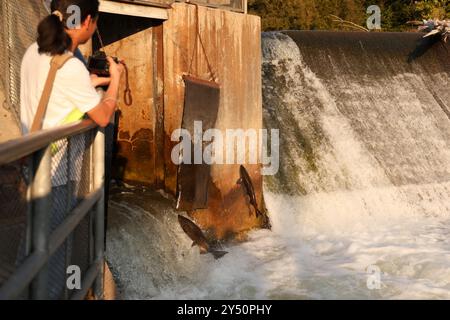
315	14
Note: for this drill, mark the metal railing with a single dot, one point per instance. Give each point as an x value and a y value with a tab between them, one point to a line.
52	212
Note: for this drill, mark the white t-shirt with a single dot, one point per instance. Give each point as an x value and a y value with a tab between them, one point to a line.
72	93
72	89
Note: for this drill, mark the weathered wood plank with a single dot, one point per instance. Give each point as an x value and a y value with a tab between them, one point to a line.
133	10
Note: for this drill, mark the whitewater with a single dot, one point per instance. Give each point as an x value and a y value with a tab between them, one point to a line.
362	196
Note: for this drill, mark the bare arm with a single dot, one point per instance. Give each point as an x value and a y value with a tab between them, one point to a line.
97	81
102	113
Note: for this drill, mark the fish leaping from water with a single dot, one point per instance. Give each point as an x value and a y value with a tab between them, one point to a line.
198	238
246	182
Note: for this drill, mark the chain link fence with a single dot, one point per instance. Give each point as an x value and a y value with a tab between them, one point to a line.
71	183
14	182
18	21
61	216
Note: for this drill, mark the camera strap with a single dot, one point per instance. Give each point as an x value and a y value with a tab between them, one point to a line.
56	63
127	96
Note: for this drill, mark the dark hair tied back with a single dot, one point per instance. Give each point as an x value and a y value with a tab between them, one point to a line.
52	36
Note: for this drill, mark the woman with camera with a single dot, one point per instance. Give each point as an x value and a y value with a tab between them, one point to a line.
74	91
57	89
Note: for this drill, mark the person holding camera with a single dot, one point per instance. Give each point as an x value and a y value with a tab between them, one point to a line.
73	93
57	89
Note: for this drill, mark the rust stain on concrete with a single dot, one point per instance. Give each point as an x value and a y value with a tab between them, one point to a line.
157	59
233	46
134	159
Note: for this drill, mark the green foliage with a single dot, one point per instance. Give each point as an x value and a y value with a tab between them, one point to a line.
314	14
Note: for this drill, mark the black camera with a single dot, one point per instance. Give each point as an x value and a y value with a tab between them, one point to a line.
98	64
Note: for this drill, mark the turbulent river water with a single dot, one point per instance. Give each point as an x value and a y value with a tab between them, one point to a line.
361	205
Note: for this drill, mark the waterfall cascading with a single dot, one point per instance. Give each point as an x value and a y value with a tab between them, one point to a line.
364	183
359	123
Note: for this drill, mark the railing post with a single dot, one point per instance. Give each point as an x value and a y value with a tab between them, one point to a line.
99	220
41	196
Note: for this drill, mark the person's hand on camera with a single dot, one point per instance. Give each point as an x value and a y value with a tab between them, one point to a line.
115	69
97	81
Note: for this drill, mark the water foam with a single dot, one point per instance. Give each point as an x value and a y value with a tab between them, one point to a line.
364	182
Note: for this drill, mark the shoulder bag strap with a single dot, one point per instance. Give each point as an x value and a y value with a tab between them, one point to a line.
56	63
